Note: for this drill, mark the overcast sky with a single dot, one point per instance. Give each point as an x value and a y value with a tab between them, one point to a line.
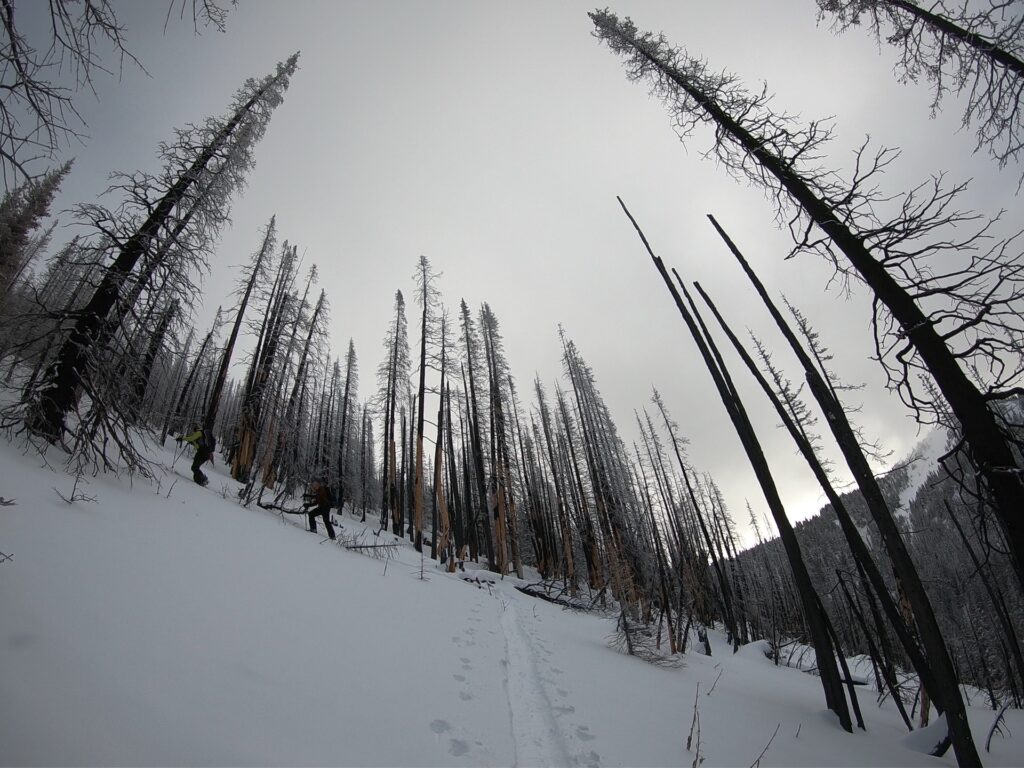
493	137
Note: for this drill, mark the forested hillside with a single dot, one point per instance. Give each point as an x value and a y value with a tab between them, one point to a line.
973	593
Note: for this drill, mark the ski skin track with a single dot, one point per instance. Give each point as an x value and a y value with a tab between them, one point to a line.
537	738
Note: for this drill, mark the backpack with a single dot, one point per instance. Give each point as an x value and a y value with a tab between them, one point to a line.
207	442
332	500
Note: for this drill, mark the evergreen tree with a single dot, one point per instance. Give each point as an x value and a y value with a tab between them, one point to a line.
501	491
21	212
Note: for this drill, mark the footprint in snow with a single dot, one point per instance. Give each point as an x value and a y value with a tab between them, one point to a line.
465	696
567	710
460	678
583	732
457	747
440	726
590	759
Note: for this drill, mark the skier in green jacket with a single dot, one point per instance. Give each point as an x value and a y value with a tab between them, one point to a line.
205	444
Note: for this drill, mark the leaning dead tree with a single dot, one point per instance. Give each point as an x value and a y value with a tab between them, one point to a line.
934	666
200	176
975	51
813	611
947	306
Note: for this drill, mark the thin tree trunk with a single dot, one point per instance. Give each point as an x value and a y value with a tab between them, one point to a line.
834	696
222	374
939	670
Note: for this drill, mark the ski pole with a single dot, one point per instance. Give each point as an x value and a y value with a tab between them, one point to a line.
177	454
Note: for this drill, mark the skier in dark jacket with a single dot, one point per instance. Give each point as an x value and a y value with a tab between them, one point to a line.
319	504
205	444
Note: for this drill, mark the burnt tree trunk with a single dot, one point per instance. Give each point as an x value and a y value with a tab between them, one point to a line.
65	375
835	698
225	362
939	670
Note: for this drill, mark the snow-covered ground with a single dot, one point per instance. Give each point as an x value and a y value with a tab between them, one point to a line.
163	624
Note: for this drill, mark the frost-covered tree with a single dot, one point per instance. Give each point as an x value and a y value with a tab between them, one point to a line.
292	436
204	166
479	513
393	386
22	210
349	414
249	279
501	490
266	360
973	50
40	77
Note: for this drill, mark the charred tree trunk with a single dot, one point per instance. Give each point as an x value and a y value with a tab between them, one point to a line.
64	377
222	374
142	375
475	443
350	364
834	696
939	669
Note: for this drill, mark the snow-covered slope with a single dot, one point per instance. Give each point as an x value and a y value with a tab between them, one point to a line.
922	463
166	625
